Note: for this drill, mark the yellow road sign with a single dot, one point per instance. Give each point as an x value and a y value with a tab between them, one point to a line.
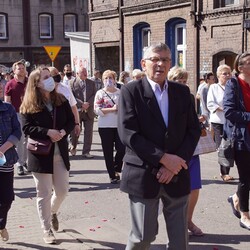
52	51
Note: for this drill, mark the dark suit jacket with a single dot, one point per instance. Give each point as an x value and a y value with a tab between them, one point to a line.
90	94
142	129
236	115
36	126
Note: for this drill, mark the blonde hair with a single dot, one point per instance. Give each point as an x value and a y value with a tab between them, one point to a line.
176	73
107	73
34	99
221	68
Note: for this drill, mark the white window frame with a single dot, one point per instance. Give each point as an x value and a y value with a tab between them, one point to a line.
181	47
66	21
49	26
3	26
146	31
228	2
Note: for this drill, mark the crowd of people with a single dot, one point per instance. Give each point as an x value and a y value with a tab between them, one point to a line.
149	129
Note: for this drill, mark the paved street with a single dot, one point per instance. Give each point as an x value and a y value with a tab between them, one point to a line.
95	214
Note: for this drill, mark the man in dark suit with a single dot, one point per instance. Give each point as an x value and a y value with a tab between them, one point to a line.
158	124
84	91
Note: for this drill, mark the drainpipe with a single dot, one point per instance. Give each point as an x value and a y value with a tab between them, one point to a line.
244	29
26	30
121	29
90	9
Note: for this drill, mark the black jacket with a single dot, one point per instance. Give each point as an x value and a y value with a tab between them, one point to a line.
142	129
37	125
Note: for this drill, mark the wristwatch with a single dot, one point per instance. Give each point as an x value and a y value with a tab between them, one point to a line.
77	123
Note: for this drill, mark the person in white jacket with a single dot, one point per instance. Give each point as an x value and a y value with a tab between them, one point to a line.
215	107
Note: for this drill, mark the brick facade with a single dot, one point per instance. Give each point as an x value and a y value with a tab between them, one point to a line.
213	35
24	40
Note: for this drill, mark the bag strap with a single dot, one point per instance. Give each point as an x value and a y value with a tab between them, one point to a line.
109	96
54	117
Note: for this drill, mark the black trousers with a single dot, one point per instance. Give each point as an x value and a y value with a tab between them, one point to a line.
110	140
242	160
6	196
218	132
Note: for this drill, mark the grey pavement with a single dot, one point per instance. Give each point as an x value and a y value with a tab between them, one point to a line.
95	215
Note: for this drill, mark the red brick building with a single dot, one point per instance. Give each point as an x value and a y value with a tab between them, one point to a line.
200	34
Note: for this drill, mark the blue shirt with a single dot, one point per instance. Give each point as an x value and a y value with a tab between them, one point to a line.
162	98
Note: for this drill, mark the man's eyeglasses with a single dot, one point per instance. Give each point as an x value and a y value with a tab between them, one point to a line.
155	59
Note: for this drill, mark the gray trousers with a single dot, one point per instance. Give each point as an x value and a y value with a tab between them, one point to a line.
87	125
144	215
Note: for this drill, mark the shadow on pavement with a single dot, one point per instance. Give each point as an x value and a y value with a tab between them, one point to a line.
25	192
219	240
77	172
219	182
92	186
34	246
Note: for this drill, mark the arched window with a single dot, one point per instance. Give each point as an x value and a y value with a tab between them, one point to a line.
45	26
176	40
141	40
70	22
3	26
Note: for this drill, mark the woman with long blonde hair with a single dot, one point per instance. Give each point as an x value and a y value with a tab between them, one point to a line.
47	115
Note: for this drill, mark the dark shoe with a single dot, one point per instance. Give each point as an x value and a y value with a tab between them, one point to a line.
20	170
235	211
114	181
54	222
244	225
25	167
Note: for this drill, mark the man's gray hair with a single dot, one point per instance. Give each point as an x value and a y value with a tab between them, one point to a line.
155	48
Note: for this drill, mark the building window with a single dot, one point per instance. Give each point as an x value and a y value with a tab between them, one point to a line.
224	3
145	34
3	26
176	40
70	23
45	26
180	33
141	40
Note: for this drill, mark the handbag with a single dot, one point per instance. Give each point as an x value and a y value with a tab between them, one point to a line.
206	143
226	153
41	146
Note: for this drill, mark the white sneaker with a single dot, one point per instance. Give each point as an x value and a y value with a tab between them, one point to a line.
4	234
49	237
88	156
